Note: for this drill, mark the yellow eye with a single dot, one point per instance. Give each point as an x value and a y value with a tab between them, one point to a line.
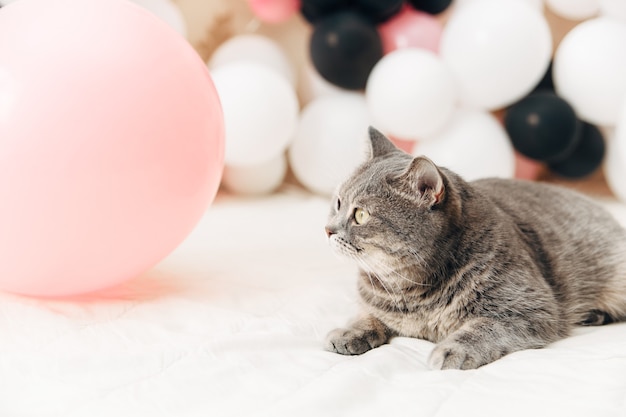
361	215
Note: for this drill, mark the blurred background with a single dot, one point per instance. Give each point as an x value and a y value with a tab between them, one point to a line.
532	89
553	136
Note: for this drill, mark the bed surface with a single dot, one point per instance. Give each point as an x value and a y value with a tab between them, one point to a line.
232	324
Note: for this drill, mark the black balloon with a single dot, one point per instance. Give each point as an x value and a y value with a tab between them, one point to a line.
431	6
344	48
586	157
543	126
378	11
314	10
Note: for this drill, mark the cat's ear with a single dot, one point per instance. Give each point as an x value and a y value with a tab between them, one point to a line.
380	145
425	180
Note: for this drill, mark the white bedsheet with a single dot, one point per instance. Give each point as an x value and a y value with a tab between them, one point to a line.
232	324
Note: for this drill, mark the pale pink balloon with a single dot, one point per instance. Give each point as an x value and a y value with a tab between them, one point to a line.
526	168
111	144
274	11
403	144
411	28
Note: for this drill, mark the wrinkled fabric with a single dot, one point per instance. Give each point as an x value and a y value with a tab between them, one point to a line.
233	322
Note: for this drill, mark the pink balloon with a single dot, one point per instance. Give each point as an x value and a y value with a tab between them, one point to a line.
526	168
403	144
111	144
274	11
411	28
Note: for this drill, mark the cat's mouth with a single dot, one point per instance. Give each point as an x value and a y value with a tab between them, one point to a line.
342	247
372	262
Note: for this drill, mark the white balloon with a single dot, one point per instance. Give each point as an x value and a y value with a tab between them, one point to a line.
256	179
259	49
590	69
538	4
330	142
574	9
615	162
474	145
615	9
498	51
166	11
615	169
260	112
410	93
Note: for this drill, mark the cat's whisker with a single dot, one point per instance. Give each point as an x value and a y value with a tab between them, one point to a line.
390	271
420	259
367	268
401	292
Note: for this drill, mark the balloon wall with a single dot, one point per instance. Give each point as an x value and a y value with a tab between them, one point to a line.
133	129
512	88
485	87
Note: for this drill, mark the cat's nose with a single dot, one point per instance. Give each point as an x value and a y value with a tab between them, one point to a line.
329	231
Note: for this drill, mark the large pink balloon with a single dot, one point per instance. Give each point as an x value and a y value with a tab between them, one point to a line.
111	144
411	28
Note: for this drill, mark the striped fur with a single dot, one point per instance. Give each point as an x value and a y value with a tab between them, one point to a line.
481	268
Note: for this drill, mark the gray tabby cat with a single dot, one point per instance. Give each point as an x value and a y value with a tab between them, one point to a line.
481	268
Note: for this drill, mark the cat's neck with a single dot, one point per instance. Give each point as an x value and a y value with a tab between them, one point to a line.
472	218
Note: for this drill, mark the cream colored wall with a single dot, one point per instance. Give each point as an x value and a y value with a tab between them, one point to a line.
211	22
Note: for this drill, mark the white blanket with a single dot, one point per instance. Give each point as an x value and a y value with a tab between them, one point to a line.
232	324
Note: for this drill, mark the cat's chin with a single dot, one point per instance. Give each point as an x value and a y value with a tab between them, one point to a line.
369	263
343	249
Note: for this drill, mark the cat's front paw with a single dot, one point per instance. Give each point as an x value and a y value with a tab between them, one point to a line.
352	341
455	355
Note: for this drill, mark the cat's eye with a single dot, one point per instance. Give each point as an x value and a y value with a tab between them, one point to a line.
338	204
361	215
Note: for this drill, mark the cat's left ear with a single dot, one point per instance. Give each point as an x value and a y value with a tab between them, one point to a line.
424	180
380	145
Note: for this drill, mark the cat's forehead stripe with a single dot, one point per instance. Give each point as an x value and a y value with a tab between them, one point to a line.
369	179
353	189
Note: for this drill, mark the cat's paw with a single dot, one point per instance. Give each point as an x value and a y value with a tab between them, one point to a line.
352	341
455	355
